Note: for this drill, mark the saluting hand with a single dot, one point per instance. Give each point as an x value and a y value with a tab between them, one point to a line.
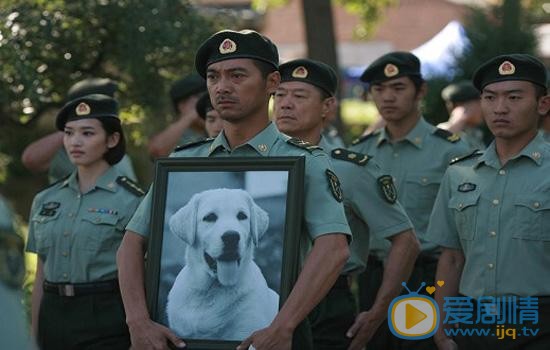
362	330
149	335
270	338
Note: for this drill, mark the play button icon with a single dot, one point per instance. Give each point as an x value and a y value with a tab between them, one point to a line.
413	316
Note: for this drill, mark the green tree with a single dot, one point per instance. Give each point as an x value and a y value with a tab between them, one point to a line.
47	45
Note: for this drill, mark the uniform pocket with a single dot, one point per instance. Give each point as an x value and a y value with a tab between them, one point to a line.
101	230
532	217
464	206
43	230
418	196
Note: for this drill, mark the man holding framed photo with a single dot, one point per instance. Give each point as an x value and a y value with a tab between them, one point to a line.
302	102
241	73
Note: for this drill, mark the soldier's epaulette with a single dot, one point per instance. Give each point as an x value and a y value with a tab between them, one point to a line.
55	183
365	137
475	153
350	156
130	185
193	144
447	135
303	144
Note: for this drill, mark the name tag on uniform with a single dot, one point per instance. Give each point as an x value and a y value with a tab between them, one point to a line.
466	187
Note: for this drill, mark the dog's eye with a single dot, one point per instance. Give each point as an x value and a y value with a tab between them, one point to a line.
242	216
210	217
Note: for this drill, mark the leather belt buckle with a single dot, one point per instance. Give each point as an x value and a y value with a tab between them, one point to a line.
66	290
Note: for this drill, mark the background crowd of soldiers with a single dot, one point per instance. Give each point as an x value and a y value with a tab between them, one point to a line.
408	201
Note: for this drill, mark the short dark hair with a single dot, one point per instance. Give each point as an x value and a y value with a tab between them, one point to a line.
264	67
540	91
115	154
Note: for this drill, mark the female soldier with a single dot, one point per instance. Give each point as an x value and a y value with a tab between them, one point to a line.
76	226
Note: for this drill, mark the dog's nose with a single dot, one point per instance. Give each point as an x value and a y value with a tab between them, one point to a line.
231	239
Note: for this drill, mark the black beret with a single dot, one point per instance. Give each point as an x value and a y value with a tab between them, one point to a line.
229	44
312	72
89	106
90	86
460	92
510	67
187	86
204	105
391	66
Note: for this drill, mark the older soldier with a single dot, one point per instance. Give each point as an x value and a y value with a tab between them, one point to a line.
241	74
492	214
302	101
416	154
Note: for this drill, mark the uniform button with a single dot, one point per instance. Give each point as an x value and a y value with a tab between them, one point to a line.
78	196
395	155
64	254
71	215
65	234
460	205
490	266
65	276
493	233
502	172
424	180
536	204
495	201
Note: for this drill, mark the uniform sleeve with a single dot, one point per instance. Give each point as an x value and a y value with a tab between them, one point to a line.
323	213
126	168
141	220
60	165
31	239
383	218
442	228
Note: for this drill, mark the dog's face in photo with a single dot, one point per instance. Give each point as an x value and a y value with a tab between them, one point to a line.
222	227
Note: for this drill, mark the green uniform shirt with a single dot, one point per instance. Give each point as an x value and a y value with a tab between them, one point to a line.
6	217
61	166
417	164
546	135
367	211
77	235
499	216
190	135
322	213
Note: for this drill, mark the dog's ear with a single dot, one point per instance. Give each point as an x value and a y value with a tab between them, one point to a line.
259	221
184	222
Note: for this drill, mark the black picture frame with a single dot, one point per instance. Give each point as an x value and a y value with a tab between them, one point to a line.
202	186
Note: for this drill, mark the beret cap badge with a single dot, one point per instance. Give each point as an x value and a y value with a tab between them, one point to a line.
506	68
227	46
82	109
390	70
300	72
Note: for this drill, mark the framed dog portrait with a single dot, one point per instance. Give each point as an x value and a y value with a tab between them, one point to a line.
223	251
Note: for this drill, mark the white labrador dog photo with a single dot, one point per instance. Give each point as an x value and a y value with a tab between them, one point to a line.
220	293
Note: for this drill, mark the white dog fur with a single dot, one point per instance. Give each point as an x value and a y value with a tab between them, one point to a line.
221	292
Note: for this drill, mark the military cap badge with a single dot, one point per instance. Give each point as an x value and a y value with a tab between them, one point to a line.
300	72
227	46
390	70
387	188
82	109
506	68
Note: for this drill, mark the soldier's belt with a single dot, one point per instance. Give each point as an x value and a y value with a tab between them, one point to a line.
79	289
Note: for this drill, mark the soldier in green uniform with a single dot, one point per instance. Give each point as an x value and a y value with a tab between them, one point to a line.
13	325
241	74
416	155
47	153
465	119
492	213
213	123
187	127
76	226
302	100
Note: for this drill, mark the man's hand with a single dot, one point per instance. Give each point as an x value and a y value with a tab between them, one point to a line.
364	327
149	335
444	343
270	338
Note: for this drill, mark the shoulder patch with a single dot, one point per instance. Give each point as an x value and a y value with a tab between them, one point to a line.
365	137
334	185
130	186
55	183
447	135
387	188
193	144
303	144
350	156
475	153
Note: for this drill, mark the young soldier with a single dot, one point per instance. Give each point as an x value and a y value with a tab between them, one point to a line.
492	213
416	154
302	101
241	73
